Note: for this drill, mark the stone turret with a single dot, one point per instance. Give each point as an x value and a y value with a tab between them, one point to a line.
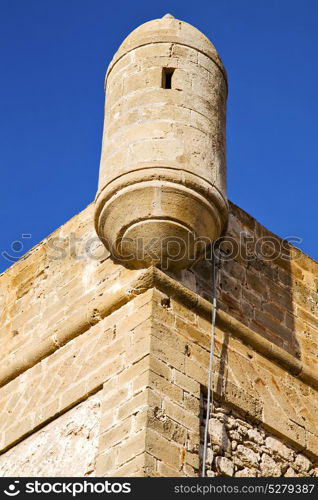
104	370
162	186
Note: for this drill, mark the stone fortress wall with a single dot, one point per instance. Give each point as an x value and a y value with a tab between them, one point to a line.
104	358
74	330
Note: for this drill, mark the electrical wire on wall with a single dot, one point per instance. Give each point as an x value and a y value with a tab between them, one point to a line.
209	405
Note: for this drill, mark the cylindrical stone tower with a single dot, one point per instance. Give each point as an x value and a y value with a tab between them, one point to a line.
162	186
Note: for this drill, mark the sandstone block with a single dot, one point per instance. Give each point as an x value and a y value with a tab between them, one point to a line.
270	467
246	472
163	449
218	435
224	466
248	456
303	462
276	446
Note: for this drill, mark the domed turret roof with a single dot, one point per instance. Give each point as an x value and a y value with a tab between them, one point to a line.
165	30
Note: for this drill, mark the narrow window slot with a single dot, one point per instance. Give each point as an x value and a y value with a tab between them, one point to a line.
167	78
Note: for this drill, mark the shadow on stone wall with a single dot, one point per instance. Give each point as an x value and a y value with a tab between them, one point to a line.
254	280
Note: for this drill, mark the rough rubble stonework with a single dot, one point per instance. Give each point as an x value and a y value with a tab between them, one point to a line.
238	447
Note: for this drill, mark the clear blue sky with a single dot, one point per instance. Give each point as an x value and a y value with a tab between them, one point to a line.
54	54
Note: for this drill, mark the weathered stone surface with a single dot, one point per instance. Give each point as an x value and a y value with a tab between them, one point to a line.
151	375
255	435
246	472
248	456
270	467
279	448
303	462
218	435
224	466
290	472
66	446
